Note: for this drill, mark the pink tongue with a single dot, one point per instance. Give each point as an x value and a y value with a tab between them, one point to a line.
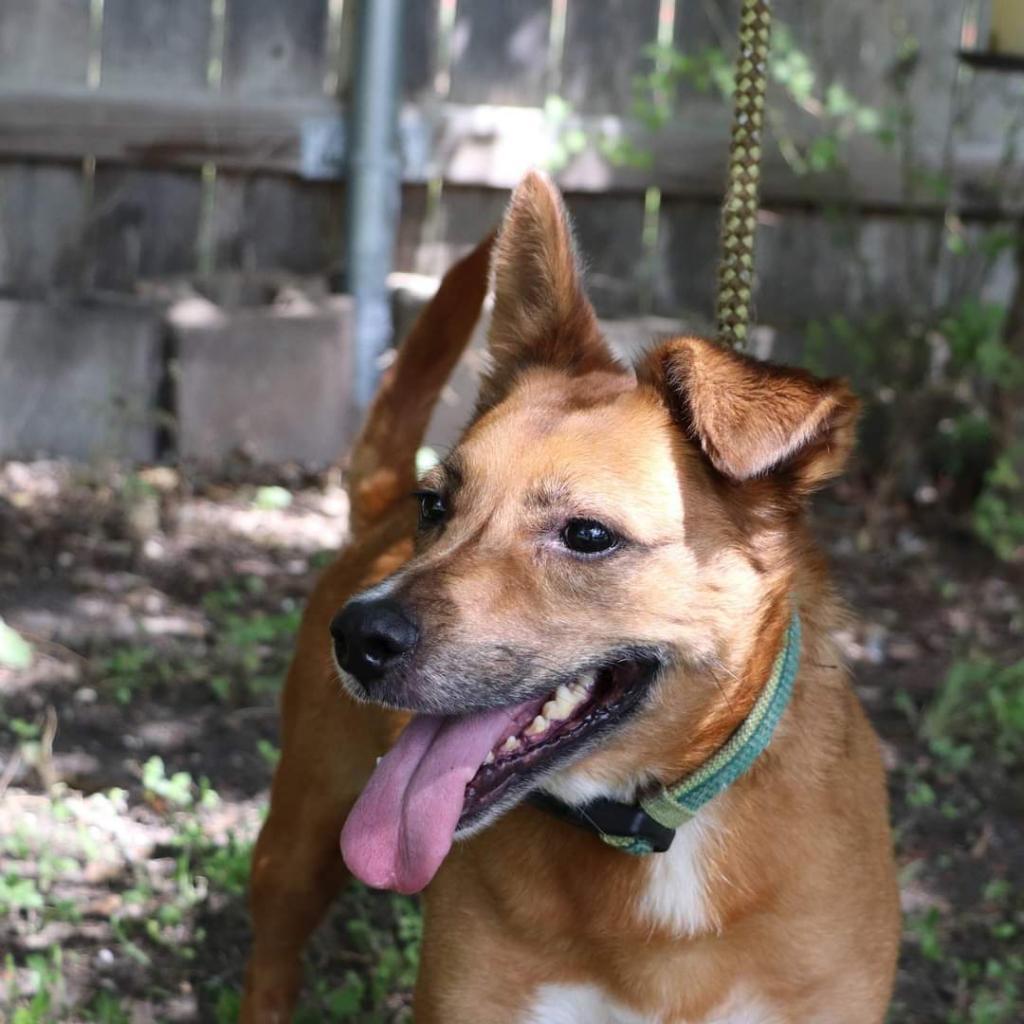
402	825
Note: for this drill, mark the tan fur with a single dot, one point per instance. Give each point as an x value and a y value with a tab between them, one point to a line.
703	460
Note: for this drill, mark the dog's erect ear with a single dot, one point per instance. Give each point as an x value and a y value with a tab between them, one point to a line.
752	419
541	316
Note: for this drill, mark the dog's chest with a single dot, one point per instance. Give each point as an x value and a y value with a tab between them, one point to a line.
579	1004
675	895
589	1004
675	898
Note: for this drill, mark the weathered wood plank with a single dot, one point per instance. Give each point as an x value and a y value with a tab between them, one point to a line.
344	59
810	266
876	51
273	222
699	26
171	130
604	50
412	226
144	223
500	52
42	45
269	223
148	45
475	146
687	260
609	235
44	40
602	53
42	215
275	49
466	215
419	47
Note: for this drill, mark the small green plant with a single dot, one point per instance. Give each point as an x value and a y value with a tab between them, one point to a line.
991	988
106	1009
998	514
270	754
979	705
129	672
342	1002
227	1006
18	893
254	645
838	114
926	928
27	732
226	867
38	998
178	789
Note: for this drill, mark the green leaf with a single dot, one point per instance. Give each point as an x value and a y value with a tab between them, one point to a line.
345	1003
15	650
270	498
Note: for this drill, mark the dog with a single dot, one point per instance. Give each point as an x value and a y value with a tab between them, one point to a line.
590	697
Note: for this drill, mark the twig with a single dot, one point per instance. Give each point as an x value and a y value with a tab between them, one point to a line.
45	766
10	770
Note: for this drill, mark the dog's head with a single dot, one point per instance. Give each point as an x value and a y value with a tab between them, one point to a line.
601	562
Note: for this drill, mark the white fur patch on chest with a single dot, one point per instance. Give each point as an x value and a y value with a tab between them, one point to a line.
744	1007
676	894
589	1004
579	1004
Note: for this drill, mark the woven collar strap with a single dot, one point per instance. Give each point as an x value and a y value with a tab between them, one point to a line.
649	825
674	805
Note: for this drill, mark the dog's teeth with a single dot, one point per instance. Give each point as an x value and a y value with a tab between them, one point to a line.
509	745
557	710
537	726
563	704
489	759
584	683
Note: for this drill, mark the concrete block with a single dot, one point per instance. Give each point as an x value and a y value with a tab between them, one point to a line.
271	382
78	379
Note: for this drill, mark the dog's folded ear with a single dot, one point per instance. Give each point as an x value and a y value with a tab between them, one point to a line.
541	315
752	419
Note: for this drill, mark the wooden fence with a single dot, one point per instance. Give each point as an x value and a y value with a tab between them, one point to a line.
148	141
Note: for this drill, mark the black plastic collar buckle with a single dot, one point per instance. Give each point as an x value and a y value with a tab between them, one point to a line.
608	817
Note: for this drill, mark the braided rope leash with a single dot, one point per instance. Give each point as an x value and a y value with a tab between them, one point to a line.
739	211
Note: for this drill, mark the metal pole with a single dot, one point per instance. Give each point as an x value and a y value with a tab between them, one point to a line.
374	177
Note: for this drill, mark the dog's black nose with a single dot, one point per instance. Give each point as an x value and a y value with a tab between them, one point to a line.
370	636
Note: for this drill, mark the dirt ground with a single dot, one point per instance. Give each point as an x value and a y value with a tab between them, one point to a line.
137	741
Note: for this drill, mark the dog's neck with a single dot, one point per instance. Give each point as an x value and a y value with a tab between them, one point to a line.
644	817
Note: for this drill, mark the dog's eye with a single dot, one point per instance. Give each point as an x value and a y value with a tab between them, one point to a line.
433	508
588	537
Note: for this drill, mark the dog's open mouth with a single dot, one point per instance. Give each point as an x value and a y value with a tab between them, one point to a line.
568	718
448	775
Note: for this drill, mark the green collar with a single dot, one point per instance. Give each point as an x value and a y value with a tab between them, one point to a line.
656	816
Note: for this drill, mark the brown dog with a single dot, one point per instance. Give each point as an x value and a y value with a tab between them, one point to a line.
610	606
